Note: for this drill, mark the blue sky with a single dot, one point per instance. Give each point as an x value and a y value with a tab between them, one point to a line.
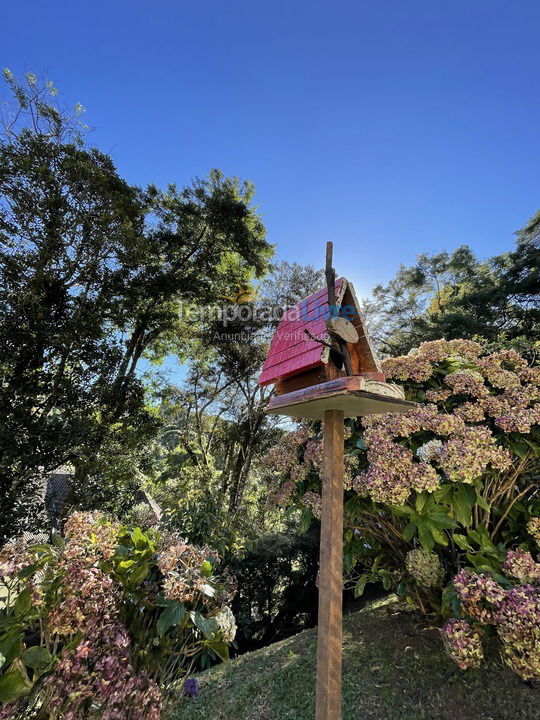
391	127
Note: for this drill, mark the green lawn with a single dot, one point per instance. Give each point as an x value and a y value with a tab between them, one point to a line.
394	667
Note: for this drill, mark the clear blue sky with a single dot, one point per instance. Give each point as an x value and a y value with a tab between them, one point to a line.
391	127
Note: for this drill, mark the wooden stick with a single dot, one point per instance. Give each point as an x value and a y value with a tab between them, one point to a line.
330	275
338	344
318	340
329	633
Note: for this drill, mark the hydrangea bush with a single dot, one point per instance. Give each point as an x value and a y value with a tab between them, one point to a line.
107	621
448	487
510	606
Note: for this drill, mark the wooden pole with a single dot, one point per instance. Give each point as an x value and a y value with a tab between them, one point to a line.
329	639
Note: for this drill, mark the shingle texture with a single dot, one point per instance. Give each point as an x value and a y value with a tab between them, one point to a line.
292	351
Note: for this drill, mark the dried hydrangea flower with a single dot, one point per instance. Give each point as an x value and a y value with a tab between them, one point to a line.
226	624
481	597
518	628
429	450
313	501
533	527
425	567
464	643
521	566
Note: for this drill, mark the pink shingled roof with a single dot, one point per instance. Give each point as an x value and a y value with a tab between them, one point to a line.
292	351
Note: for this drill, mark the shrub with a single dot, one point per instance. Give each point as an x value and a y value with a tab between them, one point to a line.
277	595
449	485
106	621
511	606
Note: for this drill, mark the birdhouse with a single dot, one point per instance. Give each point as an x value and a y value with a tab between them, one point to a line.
301	354
321	348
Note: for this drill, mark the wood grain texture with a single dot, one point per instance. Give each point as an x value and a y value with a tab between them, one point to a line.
329	642
355	396
342	327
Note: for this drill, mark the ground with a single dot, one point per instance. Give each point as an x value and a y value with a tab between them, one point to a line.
394	667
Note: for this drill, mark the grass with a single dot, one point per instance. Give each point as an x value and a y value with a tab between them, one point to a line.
394	667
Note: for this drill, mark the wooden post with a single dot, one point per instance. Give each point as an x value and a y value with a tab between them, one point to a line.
329	639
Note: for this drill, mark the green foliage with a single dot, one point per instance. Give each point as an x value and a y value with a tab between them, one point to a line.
94	274
206	472
456	295
277	593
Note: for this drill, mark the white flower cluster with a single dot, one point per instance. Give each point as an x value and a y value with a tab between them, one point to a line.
227	624
428	451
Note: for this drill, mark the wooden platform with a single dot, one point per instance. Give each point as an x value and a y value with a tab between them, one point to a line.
354	396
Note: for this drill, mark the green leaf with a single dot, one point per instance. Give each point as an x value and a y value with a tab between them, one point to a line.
139	574
450	600
425	536
36	657
220	648
171	616
409	531
127	564
7	621
401	510
139	539
13	685
441	520
31	569
462	504
206	568
305	519
482	502
207	626
519	447
439	536
10	646
420	501
23	602
40	548
360	586
535	447
123	551
443	494
461	542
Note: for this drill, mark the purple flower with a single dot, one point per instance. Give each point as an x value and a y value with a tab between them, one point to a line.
191	687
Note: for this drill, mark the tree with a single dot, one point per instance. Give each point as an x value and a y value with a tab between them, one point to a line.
454	295
95	273
241	346
216	428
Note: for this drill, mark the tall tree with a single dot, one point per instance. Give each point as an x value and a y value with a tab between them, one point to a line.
454	295
217	424
95	273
